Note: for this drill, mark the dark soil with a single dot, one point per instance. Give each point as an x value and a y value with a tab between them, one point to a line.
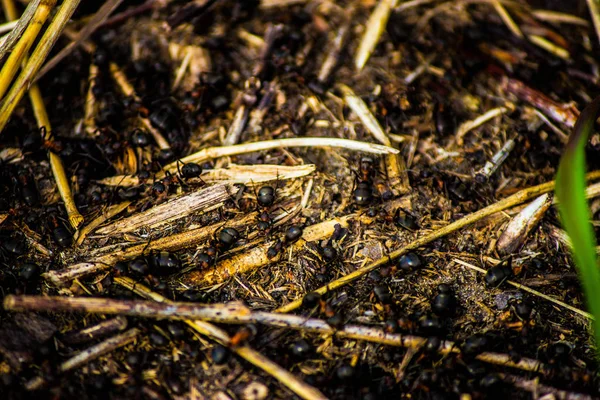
473	60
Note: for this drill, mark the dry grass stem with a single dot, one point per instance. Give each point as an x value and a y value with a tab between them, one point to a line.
39	110
507	19
38	56
516	232
171	210
335	48
595	14
56	164
107	214
21	48
89	121
9	26
549	46
558	17
265	4
8	41
373	30
226	151
245	174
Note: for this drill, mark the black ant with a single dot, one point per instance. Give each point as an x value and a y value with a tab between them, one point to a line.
265	198
161	188
60	233
189	171
27	187
363	192
275	249
220	242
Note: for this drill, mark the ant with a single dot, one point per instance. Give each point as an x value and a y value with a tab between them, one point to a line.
265	198
222	242
189	171
27	187
275	249
363	191
60	233
49	143
161	188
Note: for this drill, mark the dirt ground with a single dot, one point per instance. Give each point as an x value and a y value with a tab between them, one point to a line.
479	98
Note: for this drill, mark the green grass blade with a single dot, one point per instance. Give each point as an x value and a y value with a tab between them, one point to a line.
574	211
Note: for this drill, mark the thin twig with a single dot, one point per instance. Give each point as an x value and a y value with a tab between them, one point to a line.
516	199
563	113
96	331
